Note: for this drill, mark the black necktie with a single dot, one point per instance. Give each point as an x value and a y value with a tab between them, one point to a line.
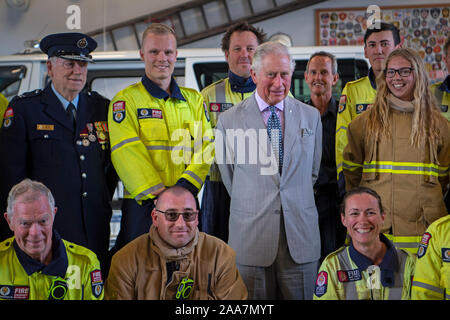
72	114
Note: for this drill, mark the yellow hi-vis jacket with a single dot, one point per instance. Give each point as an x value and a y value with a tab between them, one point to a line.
442	93
218	98
409	180
432	274
157	141
357	96
347	274
73	267
3	104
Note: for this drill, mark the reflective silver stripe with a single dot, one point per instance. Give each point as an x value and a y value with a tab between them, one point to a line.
350	166
194	176
351	293
124	142
410	245
394	167
447	296
148	191
169	148
395	292
341	128
220	91
428	287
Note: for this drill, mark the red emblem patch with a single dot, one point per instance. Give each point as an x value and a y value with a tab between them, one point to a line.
21	292
9	113
156	113
342	276
96	276
426	238
119	106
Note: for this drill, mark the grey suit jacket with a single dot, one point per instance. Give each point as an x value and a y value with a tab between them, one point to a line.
259	195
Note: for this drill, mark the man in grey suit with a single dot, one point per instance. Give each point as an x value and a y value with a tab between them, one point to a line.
268	149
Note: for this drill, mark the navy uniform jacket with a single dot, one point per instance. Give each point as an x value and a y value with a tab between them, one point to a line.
38	142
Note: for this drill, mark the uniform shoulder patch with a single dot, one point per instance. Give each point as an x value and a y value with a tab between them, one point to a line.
423	244
118	109
8	117
342	103
96	283
321	284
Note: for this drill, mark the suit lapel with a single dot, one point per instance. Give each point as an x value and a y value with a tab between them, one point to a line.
253	120
291	126
54	108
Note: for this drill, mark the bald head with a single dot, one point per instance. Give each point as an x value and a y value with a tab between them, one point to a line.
175	191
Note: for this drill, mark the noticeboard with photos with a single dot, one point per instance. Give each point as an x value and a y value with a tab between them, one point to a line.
423	27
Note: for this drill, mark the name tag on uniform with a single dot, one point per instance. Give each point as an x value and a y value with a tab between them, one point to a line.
362	107
446	254
219	107
14	292
45	127
349	275
146	113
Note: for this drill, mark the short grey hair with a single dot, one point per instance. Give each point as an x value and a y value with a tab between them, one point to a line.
334	66
30	191
267	48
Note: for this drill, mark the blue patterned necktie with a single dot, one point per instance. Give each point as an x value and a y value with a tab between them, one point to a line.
276	136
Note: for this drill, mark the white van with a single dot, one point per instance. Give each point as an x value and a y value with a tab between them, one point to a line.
195	68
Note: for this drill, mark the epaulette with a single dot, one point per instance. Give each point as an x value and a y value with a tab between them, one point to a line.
214	84
6	244
441	221
96	95
29	94
80	251
366	78
337	251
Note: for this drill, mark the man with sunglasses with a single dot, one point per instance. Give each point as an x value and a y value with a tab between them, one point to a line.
59	136
174	260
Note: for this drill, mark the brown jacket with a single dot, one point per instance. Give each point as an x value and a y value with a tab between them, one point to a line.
409	180
138	270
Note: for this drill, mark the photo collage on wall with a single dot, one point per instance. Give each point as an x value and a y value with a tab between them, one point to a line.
423	28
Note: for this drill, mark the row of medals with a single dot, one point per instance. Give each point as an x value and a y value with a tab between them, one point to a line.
90	137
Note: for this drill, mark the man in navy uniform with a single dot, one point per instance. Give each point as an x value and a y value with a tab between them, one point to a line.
59	136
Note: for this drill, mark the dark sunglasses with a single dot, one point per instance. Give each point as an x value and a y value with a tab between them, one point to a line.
173	216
